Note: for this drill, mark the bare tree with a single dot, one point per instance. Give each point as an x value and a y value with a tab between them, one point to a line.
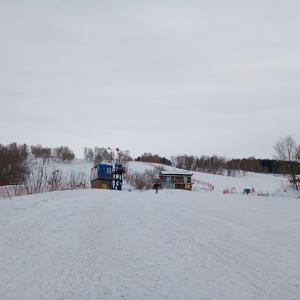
14	165
100	155
40	152
143	181
287	151
88	154
64	154
243	166
230	168
123	156
173	160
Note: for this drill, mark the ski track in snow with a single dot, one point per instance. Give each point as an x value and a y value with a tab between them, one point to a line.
95	244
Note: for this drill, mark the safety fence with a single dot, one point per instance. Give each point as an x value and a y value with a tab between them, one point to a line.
21	190
229	191
4	192
246	191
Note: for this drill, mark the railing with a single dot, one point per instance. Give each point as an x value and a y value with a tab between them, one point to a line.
4	193
21	190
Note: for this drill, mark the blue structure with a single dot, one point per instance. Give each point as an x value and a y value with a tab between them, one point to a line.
105	171
247	191
104	176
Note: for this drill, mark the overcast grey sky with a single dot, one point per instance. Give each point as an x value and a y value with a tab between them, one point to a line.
167	77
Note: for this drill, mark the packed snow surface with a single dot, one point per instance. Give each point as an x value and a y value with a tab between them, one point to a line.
98	244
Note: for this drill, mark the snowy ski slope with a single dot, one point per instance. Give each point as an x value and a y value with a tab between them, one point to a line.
98	244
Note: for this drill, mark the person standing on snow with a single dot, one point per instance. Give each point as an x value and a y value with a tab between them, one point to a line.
157	185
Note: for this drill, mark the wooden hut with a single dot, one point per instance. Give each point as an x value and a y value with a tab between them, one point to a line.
176	180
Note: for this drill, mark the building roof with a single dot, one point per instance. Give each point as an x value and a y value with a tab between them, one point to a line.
176	173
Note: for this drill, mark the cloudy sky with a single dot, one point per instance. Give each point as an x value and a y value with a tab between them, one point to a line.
166	77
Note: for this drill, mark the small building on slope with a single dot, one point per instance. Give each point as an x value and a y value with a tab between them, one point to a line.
176	180
107	177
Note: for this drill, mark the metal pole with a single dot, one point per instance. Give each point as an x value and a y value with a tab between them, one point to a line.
111	151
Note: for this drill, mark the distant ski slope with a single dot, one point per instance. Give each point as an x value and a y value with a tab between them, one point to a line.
260	182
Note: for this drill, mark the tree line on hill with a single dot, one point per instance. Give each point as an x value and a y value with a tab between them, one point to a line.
218	165
61	154
286	161
99	155
16	160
